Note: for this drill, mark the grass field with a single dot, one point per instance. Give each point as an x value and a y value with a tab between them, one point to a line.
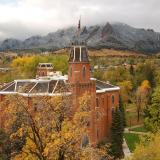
132	140
139	129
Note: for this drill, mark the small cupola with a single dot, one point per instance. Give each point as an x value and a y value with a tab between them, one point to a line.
44	69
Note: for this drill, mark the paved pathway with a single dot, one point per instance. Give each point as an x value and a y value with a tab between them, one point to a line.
126	150
134	132
127	130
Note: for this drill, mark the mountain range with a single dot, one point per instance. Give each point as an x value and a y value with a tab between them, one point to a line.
111	35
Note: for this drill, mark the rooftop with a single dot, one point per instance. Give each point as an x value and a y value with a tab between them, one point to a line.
103	86
50	86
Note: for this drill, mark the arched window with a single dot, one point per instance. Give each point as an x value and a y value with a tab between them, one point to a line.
98	115
84	72
97	102
97	133
85	141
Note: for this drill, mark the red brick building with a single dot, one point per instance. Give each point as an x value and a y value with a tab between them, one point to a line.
105	97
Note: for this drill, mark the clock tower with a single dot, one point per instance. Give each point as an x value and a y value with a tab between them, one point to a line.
79	78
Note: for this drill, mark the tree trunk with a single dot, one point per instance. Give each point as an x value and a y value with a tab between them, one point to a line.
61	155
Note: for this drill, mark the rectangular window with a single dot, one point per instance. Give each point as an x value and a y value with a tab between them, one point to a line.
97	102
77	54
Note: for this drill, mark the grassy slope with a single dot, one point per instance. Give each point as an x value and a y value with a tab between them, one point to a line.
132	140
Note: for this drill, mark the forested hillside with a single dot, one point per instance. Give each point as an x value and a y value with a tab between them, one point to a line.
139	80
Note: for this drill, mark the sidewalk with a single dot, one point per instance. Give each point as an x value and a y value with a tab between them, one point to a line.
127	130
126	150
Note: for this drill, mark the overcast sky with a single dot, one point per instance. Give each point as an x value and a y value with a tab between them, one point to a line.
23	18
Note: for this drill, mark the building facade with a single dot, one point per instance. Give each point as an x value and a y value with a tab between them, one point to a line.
105	97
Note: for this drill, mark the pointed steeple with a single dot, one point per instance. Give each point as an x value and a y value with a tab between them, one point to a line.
79	66
79	27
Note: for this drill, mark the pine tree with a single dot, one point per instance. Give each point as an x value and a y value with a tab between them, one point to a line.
122	109
117	134
152	120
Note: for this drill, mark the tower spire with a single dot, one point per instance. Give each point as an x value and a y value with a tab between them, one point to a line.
79	26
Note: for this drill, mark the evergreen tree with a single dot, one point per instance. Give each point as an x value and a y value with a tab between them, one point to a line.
122	109
117	134
152	121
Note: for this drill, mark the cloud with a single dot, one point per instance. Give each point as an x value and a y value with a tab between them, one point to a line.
23	18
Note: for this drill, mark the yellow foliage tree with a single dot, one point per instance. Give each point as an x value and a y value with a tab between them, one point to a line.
126	87
51	130
145	86
142	96
148	149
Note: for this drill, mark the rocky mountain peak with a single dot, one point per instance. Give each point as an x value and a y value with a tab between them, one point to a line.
117	36
107	30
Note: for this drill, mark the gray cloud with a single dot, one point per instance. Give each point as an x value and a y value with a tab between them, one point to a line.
28	17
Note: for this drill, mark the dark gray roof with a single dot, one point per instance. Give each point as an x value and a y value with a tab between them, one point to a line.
36	86
103	85
48	86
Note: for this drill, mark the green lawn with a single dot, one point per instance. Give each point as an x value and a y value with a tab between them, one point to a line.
139	129
132	140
